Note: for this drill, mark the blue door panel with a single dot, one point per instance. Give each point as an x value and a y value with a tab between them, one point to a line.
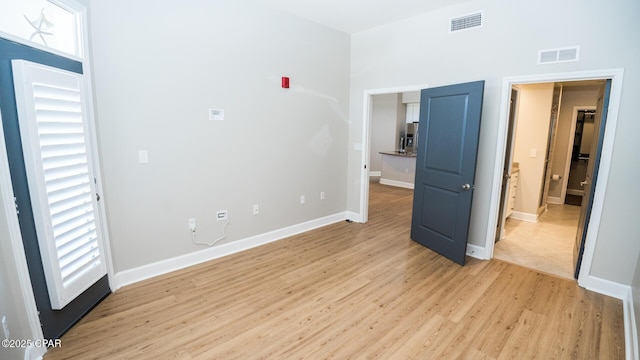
445	167
446	128
437	218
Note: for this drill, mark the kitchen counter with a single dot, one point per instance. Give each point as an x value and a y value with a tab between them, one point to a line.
398	169
399	153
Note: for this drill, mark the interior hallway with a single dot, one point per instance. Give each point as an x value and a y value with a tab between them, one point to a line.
546	246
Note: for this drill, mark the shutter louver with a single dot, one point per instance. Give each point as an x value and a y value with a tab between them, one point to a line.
55	137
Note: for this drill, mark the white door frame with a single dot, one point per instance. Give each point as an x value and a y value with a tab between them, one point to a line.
16	247
366	142
616	76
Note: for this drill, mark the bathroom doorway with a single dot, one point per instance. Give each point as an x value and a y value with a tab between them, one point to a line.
538	228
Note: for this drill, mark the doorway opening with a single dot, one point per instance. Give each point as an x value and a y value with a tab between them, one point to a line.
552	150
387	108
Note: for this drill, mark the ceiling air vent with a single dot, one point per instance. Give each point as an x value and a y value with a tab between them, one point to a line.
552	56
466	22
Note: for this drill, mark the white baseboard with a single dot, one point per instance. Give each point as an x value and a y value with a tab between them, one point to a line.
477	252
401	184
554	200
605	287
34	353
575	192
519	215
354	216
624	293
375	173
180	262
630	328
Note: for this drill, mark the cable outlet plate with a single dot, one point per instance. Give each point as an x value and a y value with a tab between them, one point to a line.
221	215
256	209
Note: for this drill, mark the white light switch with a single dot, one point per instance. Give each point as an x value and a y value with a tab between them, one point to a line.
143	156
533	153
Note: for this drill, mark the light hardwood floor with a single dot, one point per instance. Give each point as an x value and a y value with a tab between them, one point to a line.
350	291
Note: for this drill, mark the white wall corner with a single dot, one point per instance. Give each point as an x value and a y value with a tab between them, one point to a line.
554	200
519	215
630	328
353	216
148	271
477	252
605	287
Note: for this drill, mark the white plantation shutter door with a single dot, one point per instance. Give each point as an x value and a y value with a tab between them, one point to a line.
53	128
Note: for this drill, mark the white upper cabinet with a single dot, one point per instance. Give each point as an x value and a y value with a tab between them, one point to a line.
413	112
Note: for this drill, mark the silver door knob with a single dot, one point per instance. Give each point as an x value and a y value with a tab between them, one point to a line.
583	183
466	187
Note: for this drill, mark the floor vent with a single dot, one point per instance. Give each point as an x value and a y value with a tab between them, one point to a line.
466	22
552	56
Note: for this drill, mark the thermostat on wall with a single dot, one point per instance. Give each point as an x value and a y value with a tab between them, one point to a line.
216	114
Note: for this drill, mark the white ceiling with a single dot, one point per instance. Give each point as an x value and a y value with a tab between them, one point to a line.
352	16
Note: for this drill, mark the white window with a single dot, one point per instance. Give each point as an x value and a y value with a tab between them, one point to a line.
46	23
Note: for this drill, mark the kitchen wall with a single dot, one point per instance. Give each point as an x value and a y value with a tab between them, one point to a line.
507	45
530	145
385	112
159	66
571	96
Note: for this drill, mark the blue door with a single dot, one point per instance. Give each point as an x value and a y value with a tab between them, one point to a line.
589	183
445	167
54	322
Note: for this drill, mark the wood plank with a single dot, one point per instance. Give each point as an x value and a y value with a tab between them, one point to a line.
350	290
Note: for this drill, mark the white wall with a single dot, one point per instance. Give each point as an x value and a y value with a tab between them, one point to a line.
11	303
384	124
635	293
532	132
159	66
421	50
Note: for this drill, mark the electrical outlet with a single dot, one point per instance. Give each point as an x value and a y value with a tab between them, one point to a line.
256	209
302	200
5	327
321	195
192	224
221	215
